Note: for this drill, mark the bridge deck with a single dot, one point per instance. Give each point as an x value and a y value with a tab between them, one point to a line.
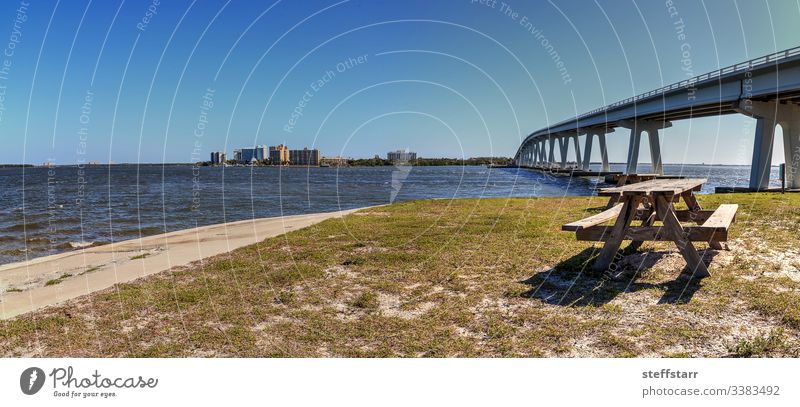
710	94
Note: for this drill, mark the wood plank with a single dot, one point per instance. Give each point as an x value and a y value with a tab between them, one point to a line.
593	220
691	201
693	216
604	192
722	217
674	186
664	187
622	179
650	233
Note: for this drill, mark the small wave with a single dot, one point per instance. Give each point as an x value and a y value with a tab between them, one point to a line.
79	245
38	239
76	245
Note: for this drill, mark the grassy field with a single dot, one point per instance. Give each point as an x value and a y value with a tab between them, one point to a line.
488	277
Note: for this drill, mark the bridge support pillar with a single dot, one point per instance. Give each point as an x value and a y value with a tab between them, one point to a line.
601	139
655	152
633	151
531	154
543	152
525	156
587	153
577	149
762	154
563	146
768	115
651	128
529	157
791	152
552	157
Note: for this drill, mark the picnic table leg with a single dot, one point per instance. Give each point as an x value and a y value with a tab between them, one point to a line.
674	229
649	221
691	201
694	206
612	201
610	248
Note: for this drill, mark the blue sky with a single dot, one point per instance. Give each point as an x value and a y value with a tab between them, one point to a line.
445	78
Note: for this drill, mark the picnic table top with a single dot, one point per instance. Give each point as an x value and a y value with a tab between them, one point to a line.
658	186
650	175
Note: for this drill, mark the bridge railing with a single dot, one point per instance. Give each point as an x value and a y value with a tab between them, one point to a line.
687	83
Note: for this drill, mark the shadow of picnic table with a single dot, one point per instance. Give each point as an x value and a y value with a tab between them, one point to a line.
571	283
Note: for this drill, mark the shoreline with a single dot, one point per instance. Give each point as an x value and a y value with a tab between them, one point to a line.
48	280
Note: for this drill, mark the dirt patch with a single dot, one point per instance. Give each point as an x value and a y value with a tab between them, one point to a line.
392	306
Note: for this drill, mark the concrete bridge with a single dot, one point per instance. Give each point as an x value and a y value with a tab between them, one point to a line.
765	88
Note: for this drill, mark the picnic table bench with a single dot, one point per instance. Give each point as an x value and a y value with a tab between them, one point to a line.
650	202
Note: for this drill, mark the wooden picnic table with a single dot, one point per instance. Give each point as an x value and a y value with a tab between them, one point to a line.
625	179
652	201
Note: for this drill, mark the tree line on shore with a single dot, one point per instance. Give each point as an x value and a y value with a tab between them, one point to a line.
379	162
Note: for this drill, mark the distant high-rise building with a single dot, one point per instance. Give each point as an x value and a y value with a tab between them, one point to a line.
304	157
401	156
249	155
278	155
218	157
237	155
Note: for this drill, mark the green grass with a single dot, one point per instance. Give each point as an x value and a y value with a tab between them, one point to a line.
140	256
760	346
58	280
461	278
89	270
367	300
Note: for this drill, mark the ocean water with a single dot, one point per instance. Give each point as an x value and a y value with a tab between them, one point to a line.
50	210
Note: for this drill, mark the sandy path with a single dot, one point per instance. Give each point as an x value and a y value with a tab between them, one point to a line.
100	267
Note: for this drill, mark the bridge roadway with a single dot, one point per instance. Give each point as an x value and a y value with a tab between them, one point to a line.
765	88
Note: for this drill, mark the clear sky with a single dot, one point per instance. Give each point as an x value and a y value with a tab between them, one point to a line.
170	81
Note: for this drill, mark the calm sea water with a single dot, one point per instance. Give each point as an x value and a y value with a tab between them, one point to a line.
50	210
